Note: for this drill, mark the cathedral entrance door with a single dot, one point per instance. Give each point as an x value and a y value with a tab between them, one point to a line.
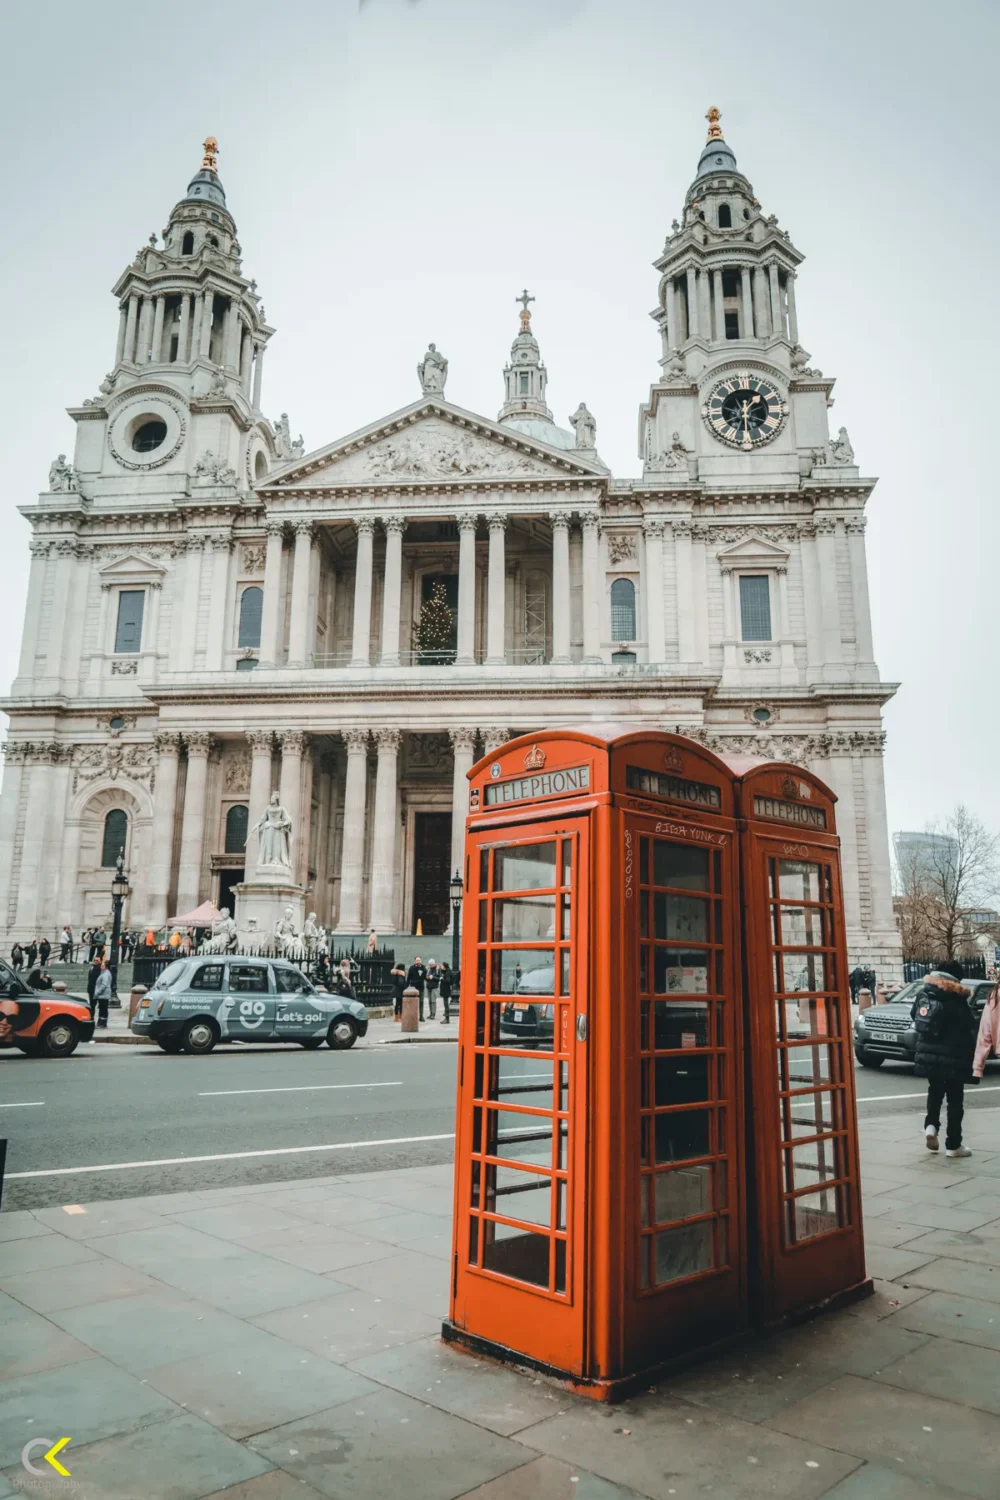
431	857
227	879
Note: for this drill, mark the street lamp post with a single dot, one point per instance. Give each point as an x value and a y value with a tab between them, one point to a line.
456	891
119	890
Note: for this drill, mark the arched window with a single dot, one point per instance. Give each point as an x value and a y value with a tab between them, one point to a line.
260	466
187	244
213	239
237	820
251	609
115	837
623	610
725	216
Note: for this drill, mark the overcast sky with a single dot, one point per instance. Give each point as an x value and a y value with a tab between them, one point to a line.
398	171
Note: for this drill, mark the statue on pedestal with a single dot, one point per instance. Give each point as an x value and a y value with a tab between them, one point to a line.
224	935
275	829
583	424
286	936
313	935
432	372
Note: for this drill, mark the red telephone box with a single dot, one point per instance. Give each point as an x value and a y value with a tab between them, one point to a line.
604	1185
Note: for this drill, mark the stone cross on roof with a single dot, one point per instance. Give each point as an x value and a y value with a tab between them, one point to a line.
524	299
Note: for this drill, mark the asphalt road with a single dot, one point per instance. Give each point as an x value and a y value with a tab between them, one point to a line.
126	1114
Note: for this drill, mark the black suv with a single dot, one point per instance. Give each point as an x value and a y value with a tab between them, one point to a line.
886	1031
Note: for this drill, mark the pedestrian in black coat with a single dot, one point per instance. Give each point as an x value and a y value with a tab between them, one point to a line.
32	953
398	977
44	949
38	981
445	988
416	978
946	1044
95	970
17	957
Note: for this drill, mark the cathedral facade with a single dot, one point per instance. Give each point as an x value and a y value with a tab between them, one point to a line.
214	613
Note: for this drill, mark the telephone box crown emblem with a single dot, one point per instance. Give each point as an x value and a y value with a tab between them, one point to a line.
790	788
534	760
673	759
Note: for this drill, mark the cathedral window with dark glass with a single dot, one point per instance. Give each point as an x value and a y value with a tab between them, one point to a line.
149	436
251	613
128	630
237	819
525	383
187	244
725	216
755	607
623	610
115	837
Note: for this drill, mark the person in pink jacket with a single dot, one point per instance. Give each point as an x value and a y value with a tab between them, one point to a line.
988	1039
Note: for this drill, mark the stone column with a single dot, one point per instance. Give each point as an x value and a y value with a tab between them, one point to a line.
192	594
560	586
838	772
128	351
246	360
777	317
300	645
42	758
496	594
258	376
14	752
272	615
193	827
463	744
68	872
39	551
261	773
62	595
699	578
122	327
593	594
826	558
151	628
493	738
156	351
748	303
692	302
293	743
704	306
361	637
184	330
466	590
811	600
656	640
167	744
686	648
218	636
730	635
231	355
720	310
793	317
871	744
352	855
392	585
383	912
207	309
789	671
143	332
864	646
761	315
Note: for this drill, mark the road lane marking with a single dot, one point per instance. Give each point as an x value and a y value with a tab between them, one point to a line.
27	1104
992	1088
302	1088
184	1161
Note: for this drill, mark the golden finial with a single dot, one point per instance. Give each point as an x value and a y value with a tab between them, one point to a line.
714	128
524	299
211	158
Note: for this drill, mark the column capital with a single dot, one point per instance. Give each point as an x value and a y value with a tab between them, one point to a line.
826	526
561	519
462	739
591	523
497	521
274	527
654	525
199	744
494	737
856	525
467	522
303	528
387	740
167	742
292	741
365	525
394	525
261	741
355	738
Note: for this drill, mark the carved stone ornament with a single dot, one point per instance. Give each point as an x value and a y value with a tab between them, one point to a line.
253	559
93	762
798	749
428	754
210	468
757	655
438	453
621	548
236	777
62	477
159	408
115	723
769	712
124	666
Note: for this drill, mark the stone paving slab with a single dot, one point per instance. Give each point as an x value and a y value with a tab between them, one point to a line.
281	1340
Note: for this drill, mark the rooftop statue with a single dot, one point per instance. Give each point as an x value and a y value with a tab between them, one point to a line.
432	371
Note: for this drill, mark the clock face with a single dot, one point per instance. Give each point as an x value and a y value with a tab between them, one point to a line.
744	411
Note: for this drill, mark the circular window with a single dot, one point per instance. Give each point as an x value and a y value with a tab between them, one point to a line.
117	722
762	715
149	435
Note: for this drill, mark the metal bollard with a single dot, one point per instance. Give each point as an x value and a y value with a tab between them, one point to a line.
135	995
411	1010
60	986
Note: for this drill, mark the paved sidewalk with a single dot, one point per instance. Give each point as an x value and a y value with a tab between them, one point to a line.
282	1341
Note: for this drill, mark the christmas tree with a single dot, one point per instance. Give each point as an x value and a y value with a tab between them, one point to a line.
436	630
